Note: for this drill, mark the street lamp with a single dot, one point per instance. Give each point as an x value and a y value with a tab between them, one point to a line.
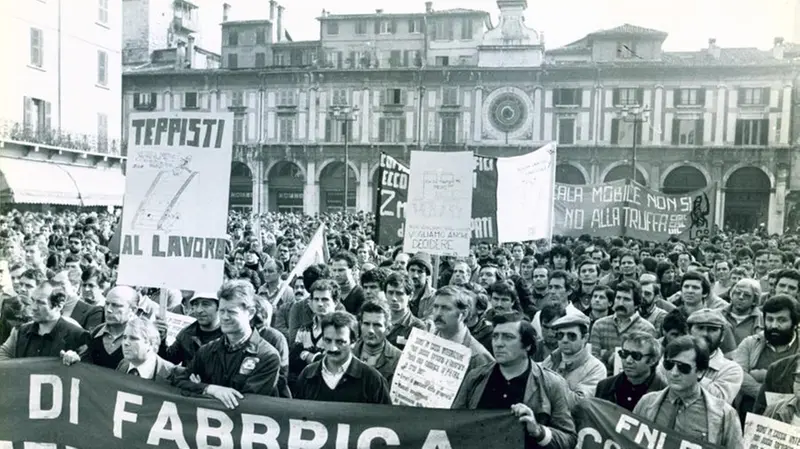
344	114
636	115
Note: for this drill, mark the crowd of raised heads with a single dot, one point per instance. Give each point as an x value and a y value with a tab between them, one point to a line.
689	334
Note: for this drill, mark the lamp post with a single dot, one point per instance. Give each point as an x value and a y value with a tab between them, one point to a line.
636	115
344	114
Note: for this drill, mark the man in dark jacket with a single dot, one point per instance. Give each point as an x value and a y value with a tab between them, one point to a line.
338	376
778	383
640	353
206	329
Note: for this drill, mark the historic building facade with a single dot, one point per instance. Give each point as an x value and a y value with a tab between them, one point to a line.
717	117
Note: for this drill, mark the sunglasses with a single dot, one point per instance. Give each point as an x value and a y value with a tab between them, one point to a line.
684	368
636	355
573	337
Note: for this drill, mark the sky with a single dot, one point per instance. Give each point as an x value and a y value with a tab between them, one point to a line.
690	23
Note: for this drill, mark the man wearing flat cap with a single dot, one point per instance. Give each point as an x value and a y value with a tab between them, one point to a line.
723	378
573	360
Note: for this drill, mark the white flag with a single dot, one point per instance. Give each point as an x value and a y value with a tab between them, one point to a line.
316	252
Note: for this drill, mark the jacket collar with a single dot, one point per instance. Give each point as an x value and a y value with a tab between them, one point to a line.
354	370
34	328
389	353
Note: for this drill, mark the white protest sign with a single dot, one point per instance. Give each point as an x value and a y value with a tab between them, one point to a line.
525	195
439	205
766	433
174	223
430	371
772	398
175	323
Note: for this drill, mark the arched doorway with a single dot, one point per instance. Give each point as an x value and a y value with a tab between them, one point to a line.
241	193
624	172
747	199
331	187
569	174
684	179
286	183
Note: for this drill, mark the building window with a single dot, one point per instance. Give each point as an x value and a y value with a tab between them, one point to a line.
339	97
393	97
753	96
37	48
332	28
466	30
449	131
280	59
335	130
384	27
239	123
690	97
450	96
567	97
233	38
414	26
442	30
233	60
628	97
102	68
261	37
190	100
144	102
261	60
102	133
442	61
752	132
36	117
285	129
237	99
626	50
566	131
361	27
687	132
102	12
392	129
622	132
287	98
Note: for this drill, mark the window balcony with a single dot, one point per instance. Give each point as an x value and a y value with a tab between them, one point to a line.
59	139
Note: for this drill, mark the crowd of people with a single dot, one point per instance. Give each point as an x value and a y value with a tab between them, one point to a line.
691	335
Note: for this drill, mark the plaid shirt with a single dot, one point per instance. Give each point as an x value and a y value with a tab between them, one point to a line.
607	335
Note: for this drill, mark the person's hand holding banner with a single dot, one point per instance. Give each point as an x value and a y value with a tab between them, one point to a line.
527	418
228	396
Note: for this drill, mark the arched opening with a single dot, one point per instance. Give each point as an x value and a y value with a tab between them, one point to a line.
747	199
684	179
569	174
331	187
285	180
624	172
241	193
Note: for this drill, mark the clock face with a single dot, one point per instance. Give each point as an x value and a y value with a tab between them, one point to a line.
508	112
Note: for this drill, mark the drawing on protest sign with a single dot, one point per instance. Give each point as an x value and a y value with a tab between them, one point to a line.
46	402
392	196
174	224
430	371
620	208
602	424
439	203
761	432
175	324
525	195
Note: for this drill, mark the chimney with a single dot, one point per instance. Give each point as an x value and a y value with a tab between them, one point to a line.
272	11
279	24
713	49
189	52
226	11
777	48
428	7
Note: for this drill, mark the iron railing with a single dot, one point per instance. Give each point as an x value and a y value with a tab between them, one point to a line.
58	138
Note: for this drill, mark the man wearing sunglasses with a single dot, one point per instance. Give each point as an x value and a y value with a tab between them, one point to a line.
640	353
573	360
684	406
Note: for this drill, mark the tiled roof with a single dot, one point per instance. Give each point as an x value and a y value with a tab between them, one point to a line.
727	57
627	28
443	12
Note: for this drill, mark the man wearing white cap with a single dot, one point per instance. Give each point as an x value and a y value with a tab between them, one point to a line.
204	307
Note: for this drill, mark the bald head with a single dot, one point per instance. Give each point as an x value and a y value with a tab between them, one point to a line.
124	293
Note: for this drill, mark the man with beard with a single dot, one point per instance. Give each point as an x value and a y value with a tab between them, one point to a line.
373	348
204	330
419	270
640	353
342	265
398	288
723	378
777	341
648	309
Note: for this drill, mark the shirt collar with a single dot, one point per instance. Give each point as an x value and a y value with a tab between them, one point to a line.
672	396
235	346
146	369
342	369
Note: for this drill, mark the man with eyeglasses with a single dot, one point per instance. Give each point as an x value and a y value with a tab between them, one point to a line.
573	360
684	406
743	313
640	353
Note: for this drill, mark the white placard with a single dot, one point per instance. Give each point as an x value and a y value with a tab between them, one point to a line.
174	224
175	323
766	433
430	371
525	186
439	206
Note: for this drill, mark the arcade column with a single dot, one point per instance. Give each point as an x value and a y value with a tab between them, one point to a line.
311	190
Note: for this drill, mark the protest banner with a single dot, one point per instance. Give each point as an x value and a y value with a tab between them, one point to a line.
484	200
174	224
601	424
429	372
47	402
392	197
439	203
175	323
761	432
623	208
525	195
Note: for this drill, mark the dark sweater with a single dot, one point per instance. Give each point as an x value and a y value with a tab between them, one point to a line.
360	384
